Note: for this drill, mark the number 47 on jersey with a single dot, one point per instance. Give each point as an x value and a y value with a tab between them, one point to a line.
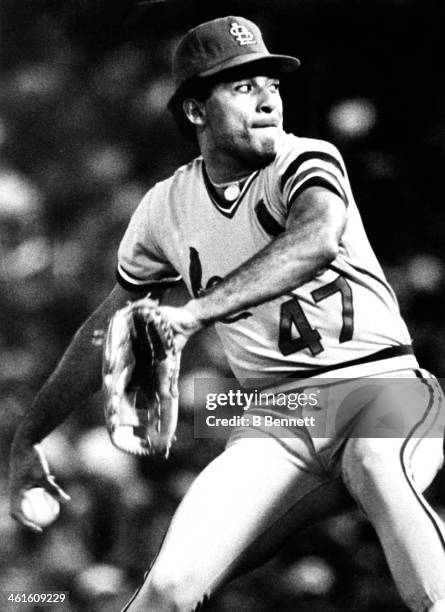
292	314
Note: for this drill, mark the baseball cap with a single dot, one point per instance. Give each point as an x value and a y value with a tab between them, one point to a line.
218	45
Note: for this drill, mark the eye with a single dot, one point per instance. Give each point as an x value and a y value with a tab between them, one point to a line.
244	87
274	86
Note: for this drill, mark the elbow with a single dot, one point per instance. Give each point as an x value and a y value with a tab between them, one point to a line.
327	251
331	251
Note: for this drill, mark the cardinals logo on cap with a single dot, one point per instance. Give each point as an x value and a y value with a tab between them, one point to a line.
241	34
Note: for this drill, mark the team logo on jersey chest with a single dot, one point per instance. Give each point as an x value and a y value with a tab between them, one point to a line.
241	34
195	273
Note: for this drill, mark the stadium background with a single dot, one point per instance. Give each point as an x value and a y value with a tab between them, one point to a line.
83	133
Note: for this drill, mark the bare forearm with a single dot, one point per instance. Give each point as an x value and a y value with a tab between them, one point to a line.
286	263
77	376
270	273
308	245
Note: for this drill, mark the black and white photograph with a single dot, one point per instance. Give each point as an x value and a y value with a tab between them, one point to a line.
222	277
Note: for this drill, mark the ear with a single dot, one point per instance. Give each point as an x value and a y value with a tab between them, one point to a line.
194	111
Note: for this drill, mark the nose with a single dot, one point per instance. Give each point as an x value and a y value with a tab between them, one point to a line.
267	101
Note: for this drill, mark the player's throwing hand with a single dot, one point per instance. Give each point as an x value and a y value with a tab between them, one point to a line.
30	470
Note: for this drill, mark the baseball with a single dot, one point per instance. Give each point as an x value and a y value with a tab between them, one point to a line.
39	507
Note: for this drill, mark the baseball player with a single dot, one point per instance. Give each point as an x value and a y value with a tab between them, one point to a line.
263	229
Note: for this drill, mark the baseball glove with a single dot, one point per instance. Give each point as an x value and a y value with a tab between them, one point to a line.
140	376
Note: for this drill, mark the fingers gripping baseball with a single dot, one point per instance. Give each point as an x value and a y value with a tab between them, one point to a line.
35	494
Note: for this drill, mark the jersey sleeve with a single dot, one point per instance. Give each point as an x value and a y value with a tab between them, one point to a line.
305	163
141	262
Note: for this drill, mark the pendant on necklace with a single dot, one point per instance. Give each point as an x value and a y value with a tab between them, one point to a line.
232	192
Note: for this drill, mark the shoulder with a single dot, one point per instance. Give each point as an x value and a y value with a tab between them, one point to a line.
296	154
183	175
306	162
164	192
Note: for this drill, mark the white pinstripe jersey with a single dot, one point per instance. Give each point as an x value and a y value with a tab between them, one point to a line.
346	313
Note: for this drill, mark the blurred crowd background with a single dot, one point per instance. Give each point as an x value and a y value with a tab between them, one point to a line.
84	131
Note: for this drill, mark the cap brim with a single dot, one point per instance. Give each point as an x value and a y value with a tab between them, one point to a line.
280	63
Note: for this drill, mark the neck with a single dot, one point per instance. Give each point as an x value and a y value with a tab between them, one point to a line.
223	169
223	175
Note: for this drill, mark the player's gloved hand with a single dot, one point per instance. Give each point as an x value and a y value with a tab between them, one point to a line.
141	360
28	469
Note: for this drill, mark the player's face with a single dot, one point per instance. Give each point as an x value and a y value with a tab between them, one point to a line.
243	120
